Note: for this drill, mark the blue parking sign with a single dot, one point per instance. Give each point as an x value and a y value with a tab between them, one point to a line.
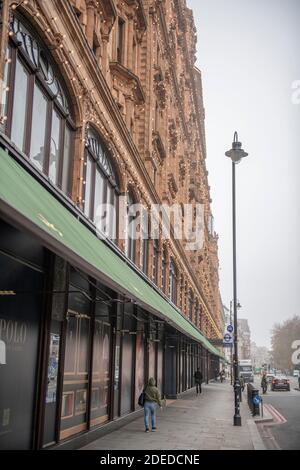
256	400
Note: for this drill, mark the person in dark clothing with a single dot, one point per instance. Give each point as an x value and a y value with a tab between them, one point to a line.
242	383
264	383
152	399
198	380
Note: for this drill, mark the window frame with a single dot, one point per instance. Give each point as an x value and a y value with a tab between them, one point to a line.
110	182
16	53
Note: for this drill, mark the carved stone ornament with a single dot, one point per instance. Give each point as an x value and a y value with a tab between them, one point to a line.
173	136
173	188
160	88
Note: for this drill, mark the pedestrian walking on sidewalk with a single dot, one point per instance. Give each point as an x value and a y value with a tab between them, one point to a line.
242	383
264	383
151	401
198	380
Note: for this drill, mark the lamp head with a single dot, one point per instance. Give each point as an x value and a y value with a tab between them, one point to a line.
236	153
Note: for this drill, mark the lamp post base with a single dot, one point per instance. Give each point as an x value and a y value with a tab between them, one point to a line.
237	420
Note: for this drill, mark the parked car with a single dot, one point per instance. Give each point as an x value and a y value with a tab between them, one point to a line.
270	377
280	382
296	373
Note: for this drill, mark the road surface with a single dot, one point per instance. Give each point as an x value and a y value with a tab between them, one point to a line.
284	432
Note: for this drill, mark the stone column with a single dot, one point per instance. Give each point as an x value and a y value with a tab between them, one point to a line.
130	44
104	57
90	22
129	110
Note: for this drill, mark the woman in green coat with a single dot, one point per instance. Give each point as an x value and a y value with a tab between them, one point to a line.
151	401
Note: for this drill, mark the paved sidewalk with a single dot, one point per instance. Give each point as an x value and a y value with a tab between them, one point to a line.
192	422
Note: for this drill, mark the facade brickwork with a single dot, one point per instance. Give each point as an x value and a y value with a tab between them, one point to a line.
129	69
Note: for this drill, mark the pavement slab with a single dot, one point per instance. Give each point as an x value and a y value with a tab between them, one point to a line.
189	423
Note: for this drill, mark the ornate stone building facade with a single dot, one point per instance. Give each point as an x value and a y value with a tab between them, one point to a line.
244	335
102	99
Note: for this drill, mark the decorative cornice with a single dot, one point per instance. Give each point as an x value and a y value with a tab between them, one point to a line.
124	73
109	9
140	13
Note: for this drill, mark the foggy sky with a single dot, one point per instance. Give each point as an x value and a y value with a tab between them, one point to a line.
249	55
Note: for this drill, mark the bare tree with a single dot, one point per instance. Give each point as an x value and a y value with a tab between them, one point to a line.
283	335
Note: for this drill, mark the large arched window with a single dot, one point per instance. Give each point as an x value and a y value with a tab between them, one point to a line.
39	121
101	186
173	282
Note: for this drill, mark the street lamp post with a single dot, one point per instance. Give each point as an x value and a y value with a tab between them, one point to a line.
231	345
230	320
236	153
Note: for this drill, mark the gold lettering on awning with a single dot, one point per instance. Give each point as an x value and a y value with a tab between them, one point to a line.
49	224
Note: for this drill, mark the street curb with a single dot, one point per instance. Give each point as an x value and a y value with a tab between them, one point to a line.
263	420
257	441
267	418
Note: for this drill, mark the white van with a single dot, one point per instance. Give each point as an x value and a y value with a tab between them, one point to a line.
296	373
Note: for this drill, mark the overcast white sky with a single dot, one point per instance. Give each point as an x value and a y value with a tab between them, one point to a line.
249	55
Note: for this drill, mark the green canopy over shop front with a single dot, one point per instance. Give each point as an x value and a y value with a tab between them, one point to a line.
26	202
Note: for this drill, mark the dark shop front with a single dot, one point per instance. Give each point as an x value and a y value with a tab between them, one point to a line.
79	333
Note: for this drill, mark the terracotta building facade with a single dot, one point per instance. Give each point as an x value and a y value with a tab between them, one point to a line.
101	106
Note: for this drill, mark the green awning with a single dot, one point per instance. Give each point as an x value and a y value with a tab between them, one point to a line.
25	200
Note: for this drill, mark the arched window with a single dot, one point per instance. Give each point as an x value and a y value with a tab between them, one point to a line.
101	187
173	282
39	121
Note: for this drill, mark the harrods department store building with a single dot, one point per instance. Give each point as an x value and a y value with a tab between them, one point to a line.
100	100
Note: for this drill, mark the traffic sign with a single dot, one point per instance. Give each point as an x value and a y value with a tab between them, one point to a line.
227	338
230	328
257	400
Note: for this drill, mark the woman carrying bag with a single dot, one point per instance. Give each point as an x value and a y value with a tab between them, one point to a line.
151	398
